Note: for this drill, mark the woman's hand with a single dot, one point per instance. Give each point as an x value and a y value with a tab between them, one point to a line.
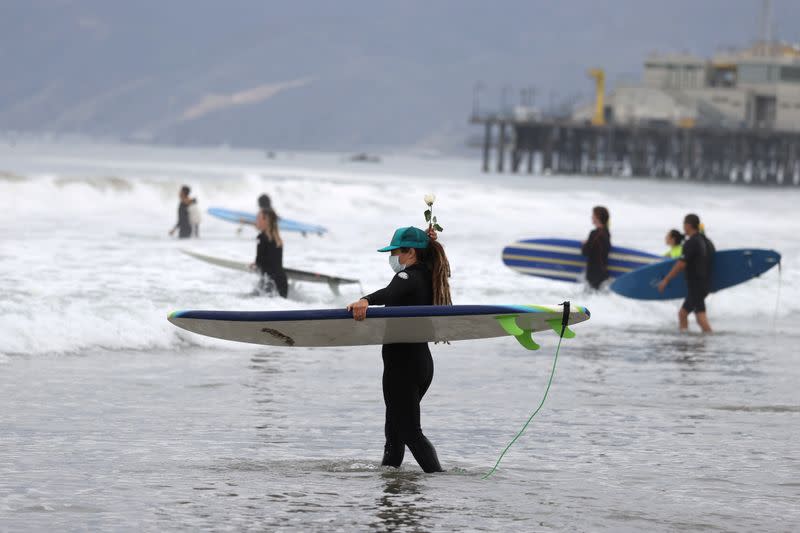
432	233
359	309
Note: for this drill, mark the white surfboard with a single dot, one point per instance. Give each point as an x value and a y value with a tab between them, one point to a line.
291	273
383	325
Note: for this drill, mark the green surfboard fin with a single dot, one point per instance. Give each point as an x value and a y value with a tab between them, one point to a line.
556	325
523	336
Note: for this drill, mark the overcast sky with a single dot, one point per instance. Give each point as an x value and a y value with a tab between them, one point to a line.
335	74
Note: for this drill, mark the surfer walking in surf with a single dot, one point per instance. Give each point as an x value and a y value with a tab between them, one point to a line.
269	254
697	262
597	247
184	224
421	278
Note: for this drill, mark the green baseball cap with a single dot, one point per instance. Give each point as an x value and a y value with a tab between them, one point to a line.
409	237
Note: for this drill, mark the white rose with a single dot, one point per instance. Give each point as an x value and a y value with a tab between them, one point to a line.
429	199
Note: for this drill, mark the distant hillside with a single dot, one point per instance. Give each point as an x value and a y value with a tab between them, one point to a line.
343	75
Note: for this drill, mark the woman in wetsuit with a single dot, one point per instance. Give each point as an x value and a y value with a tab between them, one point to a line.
269	254
597	247
421	278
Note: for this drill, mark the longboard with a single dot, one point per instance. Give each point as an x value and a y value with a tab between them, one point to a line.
291	274
383	325
730	267
243	217
561	259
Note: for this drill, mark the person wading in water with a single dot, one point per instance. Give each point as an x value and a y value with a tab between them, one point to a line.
269	255
421	278
697	261
597	247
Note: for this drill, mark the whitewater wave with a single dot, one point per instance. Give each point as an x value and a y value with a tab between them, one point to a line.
87	262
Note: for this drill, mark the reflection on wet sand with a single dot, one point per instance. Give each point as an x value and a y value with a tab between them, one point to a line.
398	506
266	366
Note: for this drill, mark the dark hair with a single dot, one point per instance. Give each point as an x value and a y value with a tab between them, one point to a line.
272	231
676	236
693	220
185	190
264	202
435	259
602	214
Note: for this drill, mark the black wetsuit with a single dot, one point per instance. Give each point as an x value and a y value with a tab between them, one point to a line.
183	225
698	253
407	374
596	250
269	260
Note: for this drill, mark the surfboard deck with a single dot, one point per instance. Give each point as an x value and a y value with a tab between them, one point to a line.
291	274
731	267
383	325
561	259
285	224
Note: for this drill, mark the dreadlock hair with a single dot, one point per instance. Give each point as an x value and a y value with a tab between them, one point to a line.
271	228
435	259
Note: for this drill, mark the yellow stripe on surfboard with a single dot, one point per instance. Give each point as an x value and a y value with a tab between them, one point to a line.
553	261
533	258
568	250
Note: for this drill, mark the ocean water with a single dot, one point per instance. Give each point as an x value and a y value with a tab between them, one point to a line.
114	419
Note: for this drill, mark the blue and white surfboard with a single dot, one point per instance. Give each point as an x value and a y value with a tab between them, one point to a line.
561	259
243	217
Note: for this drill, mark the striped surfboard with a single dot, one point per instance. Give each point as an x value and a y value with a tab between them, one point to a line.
561	259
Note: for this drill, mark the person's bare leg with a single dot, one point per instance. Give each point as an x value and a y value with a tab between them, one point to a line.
702	321
683	319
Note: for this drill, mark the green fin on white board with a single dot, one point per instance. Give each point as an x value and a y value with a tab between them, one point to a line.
523	336
509	324
556	325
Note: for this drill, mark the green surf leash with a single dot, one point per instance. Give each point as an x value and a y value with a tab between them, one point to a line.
564	323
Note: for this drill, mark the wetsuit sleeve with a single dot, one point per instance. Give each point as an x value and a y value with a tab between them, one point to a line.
397	290
690	251
605	249
260	259
587	246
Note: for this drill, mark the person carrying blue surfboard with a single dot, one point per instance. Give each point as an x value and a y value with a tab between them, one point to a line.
597	247
421	278
674	240
697	263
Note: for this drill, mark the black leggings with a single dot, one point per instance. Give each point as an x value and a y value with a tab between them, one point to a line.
271	284
407	374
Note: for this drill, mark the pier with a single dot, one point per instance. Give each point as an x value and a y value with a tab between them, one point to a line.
746	156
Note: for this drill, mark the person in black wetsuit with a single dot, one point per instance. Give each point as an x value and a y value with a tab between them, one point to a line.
421	278
269	254
597	247
697	261
184	224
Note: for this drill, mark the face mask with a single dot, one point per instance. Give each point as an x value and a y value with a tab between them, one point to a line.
394	261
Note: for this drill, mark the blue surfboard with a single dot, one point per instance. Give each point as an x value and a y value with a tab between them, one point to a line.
561	259
731	267
243	217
